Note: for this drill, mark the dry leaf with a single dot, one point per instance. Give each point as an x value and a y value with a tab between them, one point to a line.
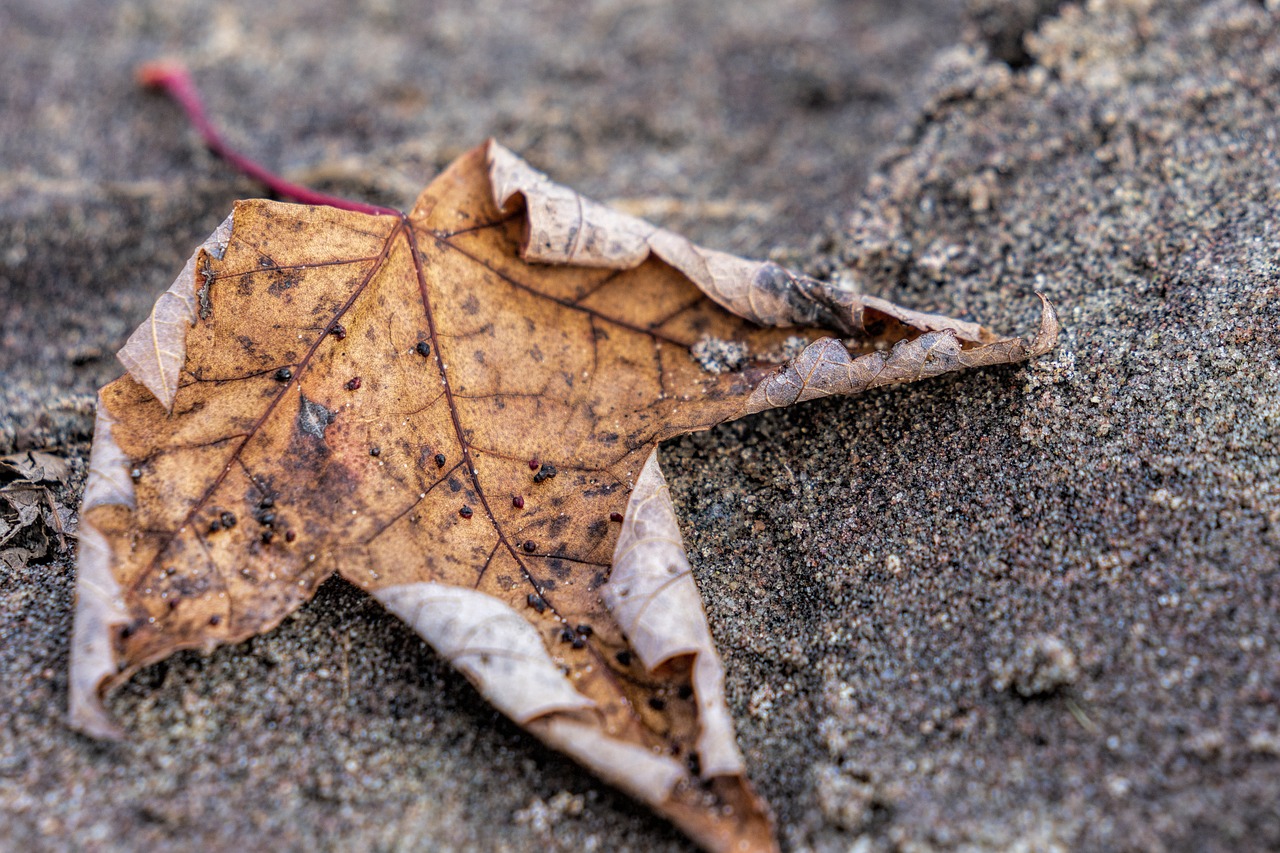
34	466
30	516
458	411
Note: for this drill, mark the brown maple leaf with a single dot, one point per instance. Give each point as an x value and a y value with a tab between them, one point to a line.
458	411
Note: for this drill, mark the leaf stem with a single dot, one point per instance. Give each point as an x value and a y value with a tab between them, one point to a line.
174	80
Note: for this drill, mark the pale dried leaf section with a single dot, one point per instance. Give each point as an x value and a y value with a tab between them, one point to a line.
825	368
493	645
566	228
156	351
652	594
99	606
647	776
507	661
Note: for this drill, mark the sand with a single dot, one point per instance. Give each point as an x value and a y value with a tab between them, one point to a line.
1027	608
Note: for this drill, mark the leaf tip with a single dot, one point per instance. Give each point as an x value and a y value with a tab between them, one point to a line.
90	718
93	660
1046	337
155	352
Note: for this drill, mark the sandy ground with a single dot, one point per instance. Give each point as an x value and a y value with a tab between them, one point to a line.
1029	608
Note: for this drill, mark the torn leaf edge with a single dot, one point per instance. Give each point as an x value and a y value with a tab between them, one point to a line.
565	227
652	594
99	608
156	351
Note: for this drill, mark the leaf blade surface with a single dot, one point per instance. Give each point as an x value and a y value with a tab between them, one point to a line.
454	419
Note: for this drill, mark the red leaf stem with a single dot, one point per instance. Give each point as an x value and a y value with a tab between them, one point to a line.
174	80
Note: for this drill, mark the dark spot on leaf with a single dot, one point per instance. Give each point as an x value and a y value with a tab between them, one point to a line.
248	344
281	284
471	305
215	620
313	418
454	484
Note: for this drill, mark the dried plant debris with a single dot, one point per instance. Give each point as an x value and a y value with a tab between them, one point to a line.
458	410
33	522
